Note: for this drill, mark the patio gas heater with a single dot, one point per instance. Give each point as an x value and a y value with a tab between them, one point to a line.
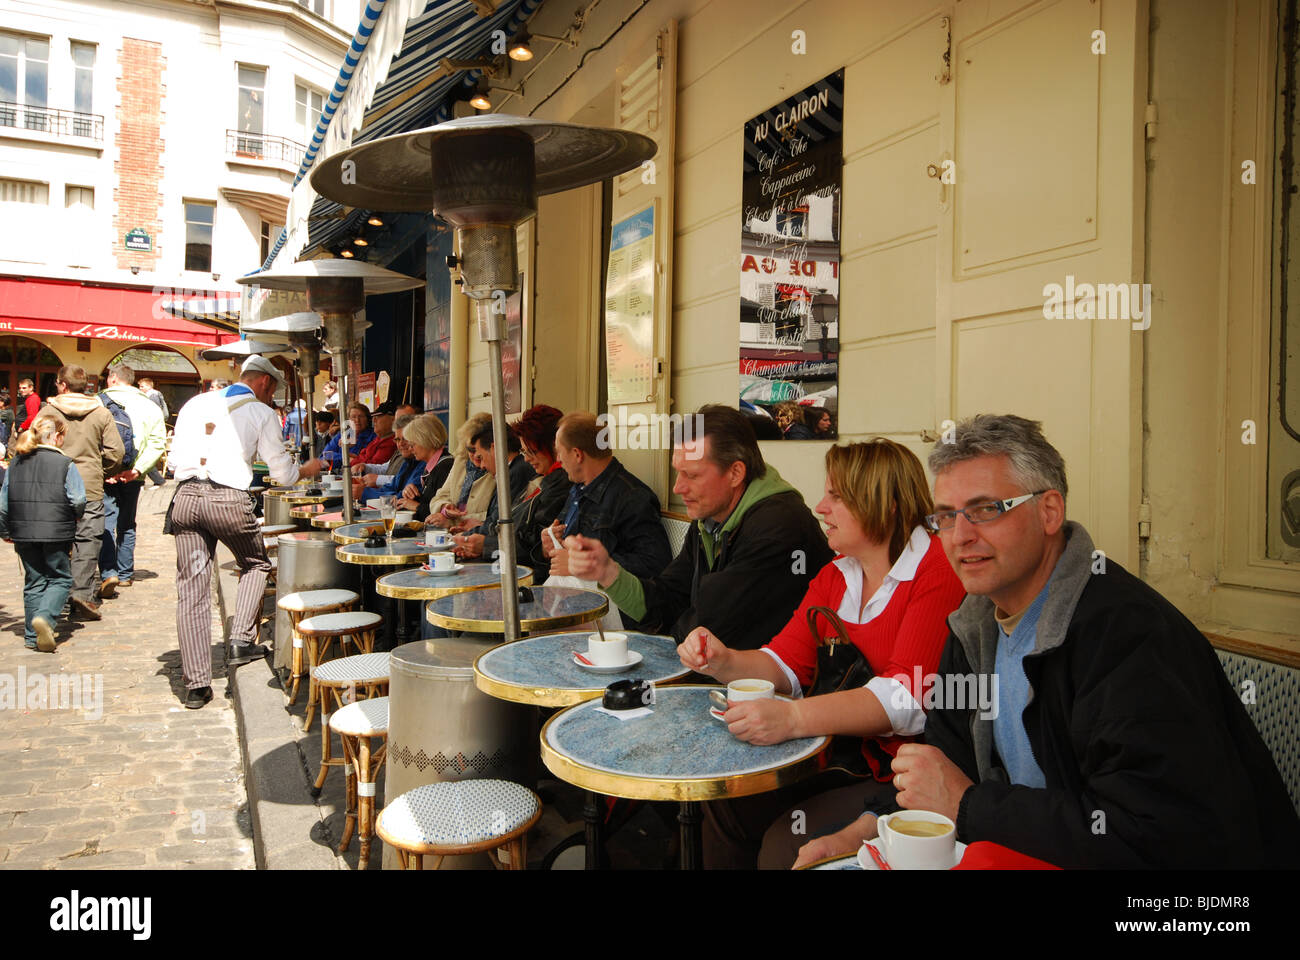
337	289
483	175
302	330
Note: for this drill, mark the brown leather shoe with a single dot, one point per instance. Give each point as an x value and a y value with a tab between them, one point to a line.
86	609
108	588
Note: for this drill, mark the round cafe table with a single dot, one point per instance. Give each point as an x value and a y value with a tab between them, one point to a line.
308	510
359	531
332	520
416	584
676	752
551	608
402	552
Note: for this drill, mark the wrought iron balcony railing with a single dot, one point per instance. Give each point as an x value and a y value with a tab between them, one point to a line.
261	146
60	123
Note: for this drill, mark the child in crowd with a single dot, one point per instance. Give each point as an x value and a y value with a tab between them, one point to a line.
40	500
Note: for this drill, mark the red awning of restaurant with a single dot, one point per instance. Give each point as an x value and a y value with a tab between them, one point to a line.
68	308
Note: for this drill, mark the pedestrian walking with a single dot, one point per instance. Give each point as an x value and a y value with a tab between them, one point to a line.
28	404
94	444
122	491
218	436
41	499
7	424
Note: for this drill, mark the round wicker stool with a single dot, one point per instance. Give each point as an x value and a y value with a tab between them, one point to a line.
319	631
346	680
460	817
357	724
309	603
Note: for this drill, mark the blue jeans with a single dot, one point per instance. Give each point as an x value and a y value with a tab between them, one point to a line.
117	551
48	570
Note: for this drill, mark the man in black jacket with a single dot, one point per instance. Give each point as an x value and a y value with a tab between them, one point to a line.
748	557
1114	738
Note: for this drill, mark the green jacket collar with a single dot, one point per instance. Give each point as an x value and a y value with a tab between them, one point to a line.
768	485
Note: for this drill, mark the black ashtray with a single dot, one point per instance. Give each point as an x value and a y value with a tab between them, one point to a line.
626	695
313	492
376	540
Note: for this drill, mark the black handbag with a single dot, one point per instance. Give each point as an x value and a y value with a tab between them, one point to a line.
841	666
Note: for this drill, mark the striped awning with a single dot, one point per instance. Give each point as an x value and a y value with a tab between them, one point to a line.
417	93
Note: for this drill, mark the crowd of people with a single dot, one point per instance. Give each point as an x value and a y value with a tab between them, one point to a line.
1113	738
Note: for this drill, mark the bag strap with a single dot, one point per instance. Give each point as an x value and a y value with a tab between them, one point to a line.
841	632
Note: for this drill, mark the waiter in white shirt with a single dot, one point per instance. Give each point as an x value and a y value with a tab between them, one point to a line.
218	436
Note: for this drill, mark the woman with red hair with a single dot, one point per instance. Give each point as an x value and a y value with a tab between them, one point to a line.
536	433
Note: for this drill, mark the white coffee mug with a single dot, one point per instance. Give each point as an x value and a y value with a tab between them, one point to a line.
404	516
906	851
443	562
610	652
434	537
750	689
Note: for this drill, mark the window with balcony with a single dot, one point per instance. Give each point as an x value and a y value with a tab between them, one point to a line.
199	219
252	107
83	88
308	105
24	81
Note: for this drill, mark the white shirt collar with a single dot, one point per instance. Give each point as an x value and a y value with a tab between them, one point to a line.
904	568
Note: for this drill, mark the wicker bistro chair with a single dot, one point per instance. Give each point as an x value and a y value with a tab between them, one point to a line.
347	679
302	605
461	817
357	627
357	725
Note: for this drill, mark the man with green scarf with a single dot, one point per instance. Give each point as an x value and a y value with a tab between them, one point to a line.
748	557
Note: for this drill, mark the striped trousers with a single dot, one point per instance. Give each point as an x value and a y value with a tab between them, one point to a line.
202	514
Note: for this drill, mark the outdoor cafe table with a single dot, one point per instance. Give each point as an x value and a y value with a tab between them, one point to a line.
357	532
419	585
403	552
551	608
308	510
334	519
678	752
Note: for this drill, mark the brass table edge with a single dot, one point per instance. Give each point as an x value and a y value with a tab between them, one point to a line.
838	856
437	593
546	696
498	626
377	560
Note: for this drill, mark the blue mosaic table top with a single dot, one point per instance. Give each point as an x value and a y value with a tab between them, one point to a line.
416	584
357	532
551	609
847	862
398	552
677	752
541	671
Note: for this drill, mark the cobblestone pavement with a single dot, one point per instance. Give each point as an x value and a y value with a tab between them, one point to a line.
123	775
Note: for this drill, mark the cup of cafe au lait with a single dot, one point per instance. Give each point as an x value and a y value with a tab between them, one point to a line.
609	652
918	840
752	689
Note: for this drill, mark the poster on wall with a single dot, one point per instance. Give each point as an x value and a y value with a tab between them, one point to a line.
790	261
366	391
630	309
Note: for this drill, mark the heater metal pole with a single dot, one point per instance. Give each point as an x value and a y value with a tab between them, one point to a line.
345	408
491	330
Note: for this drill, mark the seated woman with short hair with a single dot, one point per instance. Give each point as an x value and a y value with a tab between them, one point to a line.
892	587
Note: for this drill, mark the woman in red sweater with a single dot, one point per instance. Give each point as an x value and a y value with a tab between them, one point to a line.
893	588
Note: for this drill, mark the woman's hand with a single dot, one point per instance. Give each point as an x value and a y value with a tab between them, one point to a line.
763	722
411	492
468	546
704	653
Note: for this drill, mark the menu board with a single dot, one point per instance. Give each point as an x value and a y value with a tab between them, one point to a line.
630	309
790	261
366	391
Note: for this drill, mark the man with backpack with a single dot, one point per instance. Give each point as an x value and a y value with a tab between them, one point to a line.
95	445
139	423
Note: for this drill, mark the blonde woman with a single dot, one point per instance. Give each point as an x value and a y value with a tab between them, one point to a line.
467	492
40	501
892	587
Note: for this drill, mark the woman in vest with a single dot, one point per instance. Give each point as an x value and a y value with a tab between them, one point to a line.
40	501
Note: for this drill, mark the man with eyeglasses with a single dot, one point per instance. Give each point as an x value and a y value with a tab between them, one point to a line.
1115	738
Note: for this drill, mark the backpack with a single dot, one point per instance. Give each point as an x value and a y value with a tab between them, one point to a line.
124	429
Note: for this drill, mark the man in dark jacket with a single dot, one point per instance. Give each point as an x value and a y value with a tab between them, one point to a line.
1113	738
480	539
606	506
748	557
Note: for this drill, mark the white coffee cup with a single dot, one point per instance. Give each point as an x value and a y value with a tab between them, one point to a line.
443	562
907	851
404	516
434	537
750	689
610	652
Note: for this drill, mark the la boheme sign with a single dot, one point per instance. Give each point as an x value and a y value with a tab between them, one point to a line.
138	240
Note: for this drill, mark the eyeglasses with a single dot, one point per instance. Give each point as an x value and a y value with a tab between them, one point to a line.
979	513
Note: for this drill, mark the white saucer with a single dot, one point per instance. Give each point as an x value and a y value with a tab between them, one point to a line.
867	863
633	658
425	568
